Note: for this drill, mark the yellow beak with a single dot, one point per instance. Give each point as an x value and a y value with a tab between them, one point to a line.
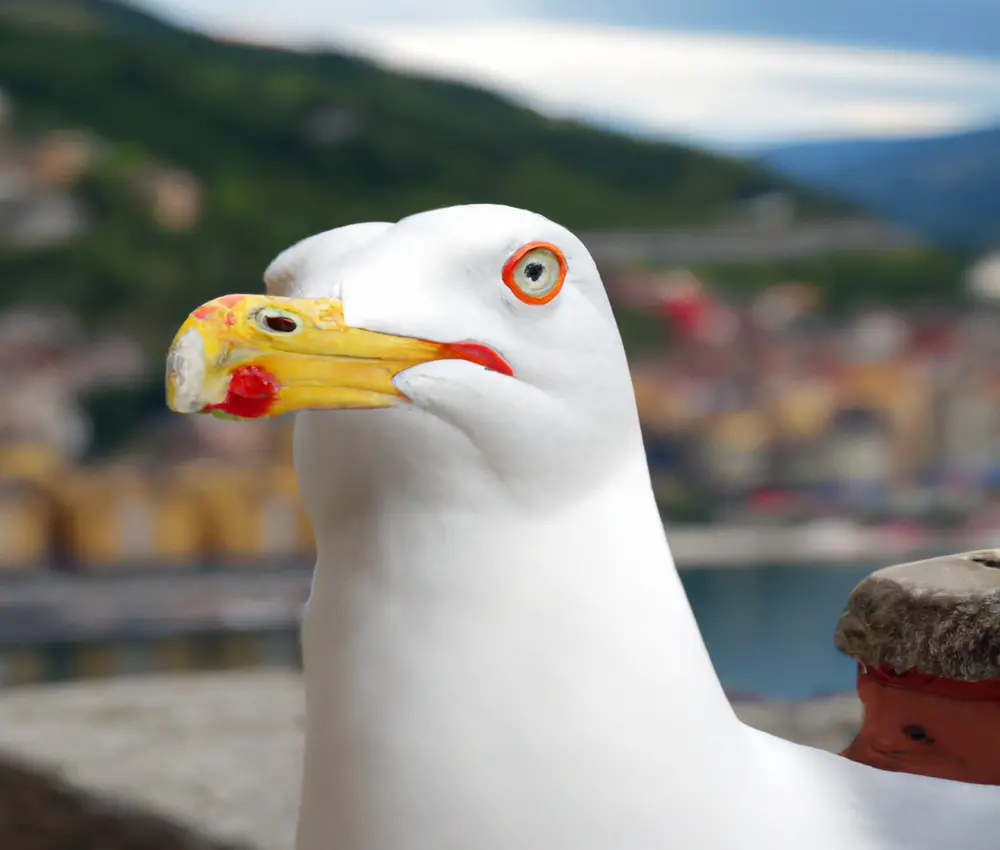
247	356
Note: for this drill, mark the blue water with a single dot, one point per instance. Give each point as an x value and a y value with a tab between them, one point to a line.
769	630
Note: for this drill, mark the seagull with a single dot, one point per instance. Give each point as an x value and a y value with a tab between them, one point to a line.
498	652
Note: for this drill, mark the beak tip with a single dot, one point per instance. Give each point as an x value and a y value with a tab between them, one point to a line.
186	373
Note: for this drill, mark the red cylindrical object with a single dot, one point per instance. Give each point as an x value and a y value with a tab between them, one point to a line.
929	725
926	636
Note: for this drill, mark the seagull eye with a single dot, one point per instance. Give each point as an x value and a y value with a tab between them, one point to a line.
273	320
535	273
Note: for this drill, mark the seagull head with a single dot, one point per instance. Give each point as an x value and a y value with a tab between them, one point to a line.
486	321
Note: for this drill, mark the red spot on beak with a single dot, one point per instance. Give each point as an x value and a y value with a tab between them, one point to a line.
252	390
224	301
476	352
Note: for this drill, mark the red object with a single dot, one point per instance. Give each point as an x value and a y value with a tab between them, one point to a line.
770	499
928	725
476	352
693	313
252	390
936	341
687	315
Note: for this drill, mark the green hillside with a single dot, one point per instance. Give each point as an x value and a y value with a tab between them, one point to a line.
238	117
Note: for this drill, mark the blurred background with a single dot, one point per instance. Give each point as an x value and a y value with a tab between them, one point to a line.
795	207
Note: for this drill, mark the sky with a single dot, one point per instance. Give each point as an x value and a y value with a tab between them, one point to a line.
728	74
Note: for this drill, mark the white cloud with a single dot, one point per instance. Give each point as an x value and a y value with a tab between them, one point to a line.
724	90
303	21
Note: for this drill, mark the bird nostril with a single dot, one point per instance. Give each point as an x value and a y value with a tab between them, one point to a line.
989	558
280	324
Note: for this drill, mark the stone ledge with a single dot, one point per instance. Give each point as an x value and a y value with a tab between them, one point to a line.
222	751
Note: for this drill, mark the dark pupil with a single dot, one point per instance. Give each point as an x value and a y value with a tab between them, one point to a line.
281	324
533	271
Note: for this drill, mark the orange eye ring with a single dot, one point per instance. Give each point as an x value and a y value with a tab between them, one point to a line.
512	266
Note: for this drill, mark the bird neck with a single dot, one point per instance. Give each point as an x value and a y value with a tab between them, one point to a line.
440	639
463	539
588	592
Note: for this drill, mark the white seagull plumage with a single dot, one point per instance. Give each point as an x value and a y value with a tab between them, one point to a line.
499	654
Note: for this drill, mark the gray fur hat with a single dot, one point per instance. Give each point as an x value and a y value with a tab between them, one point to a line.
940	616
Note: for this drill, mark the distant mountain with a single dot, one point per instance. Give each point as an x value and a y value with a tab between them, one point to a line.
947	187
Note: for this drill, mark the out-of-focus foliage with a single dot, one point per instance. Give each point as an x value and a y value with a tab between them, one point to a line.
855	280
